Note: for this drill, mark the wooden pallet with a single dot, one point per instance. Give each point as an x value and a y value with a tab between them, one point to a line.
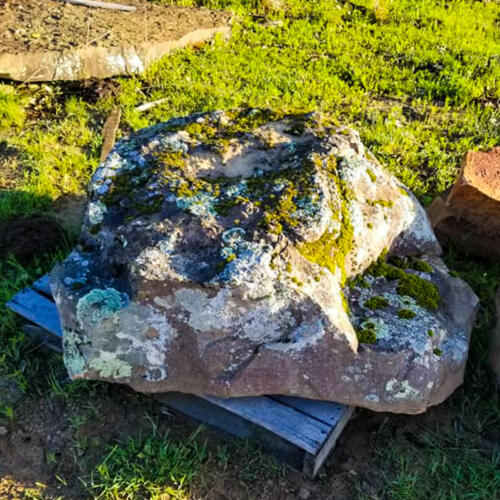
299	432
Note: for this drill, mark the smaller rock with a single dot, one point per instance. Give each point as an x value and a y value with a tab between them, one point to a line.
469	213
495	342
3	431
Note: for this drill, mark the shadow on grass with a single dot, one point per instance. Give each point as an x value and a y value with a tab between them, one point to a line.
32	240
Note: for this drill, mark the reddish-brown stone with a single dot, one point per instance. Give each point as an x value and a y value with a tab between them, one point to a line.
469	213
183	295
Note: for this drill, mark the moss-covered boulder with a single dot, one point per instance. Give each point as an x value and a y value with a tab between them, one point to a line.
251	252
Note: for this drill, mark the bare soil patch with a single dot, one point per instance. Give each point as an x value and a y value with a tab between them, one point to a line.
40	25
53	438
27	237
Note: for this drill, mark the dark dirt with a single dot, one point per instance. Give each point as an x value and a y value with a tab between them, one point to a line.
45	441
39	25
48	438
27	237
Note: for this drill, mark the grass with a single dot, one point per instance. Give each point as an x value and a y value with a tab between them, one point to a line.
419	80
454	471
151	467
460	461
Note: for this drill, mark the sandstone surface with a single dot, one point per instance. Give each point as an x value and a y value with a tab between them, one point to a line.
469	213
251	252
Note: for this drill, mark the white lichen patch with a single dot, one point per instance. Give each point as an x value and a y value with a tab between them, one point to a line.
207	313
116	63
110	366
250	265
134	62
154	264
398	389
201	204
137	345
380	327
74	359
95	212
68	65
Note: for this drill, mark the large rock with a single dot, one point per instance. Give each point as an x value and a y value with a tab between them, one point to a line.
495	342
469	213
214	257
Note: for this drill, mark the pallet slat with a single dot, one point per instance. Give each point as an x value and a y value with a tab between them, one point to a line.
43	285
42	336
229	423
302	430
38	309
206	412
312	464
324	411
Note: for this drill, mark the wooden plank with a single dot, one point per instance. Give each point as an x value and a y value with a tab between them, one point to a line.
303	431
38	309
229	423
206	412
42	336
324	411
313	464
43	285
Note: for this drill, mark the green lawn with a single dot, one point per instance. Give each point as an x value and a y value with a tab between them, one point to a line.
419	79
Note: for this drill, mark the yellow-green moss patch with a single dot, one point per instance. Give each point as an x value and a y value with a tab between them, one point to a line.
376	302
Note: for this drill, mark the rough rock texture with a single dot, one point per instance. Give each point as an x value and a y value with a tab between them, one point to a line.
243	253
495	342
469	213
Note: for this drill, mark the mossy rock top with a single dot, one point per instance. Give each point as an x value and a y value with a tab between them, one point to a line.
221	247
262	176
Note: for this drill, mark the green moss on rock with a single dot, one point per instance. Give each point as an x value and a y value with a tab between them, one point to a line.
371	175
367	335
406	314
359	281
376	302
382	203
331	249
420	265
425	293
